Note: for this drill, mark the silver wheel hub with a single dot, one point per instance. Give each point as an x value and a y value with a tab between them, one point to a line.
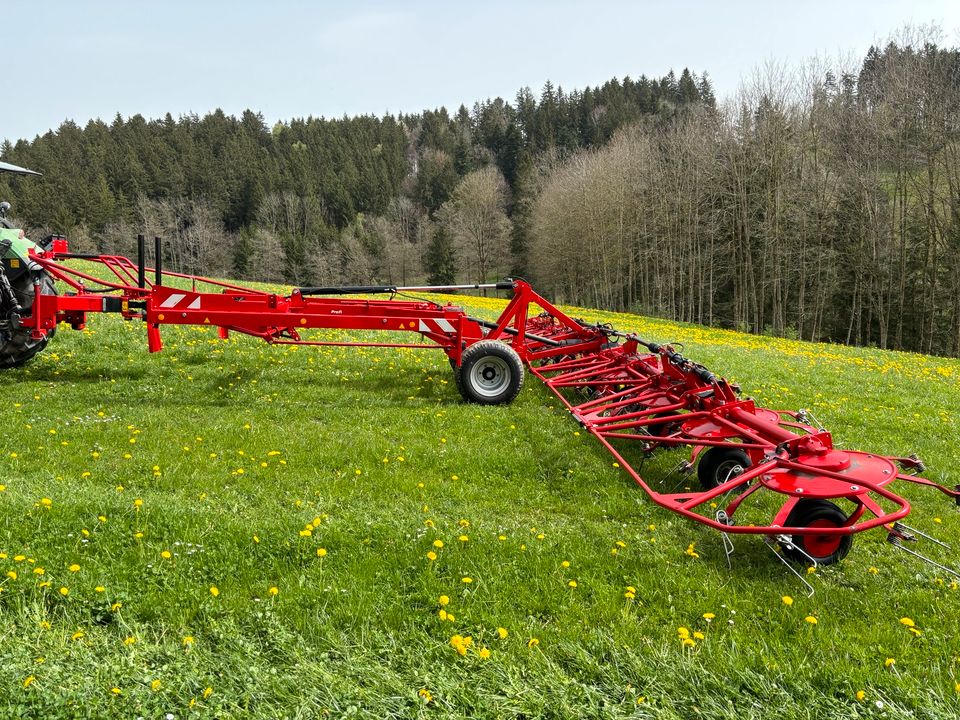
490	376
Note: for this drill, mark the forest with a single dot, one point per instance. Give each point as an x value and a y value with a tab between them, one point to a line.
821	203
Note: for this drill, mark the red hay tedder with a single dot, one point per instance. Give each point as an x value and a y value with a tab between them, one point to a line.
634	396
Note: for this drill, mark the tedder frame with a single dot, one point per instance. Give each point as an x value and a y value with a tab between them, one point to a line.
635	397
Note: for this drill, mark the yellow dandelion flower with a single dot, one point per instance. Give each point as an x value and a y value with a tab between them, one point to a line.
187	640
129	640
688	643
64	591
46	502
811	619
502	632
889	663
698	635
442	614
907	621
207	692
44	624
74	568
425	695
683	632
438	544
28	681
708	616
99	589
467	580
12	574
861	694
116	691
444	600
572	584
431	556
166	555
138	503
274	590
214	590
787	600
484	653
116	606
19	558
155	685
629	595
77	635
321	552
532	642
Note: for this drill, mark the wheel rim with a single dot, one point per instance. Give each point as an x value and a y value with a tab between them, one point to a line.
728	469
821	546
490	376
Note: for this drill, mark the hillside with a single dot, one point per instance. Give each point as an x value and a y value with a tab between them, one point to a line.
230	529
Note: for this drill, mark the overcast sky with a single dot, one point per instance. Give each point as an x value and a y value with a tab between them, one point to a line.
290	58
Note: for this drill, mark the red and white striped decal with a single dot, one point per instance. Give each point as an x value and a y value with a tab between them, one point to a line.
438	325
183	300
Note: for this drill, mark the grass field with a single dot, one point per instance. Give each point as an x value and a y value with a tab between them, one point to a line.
228	529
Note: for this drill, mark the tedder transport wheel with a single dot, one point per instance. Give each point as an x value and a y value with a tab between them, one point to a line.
720	463
825	549
491	373
17	347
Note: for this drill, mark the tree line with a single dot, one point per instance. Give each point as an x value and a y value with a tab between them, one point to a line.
822	203
819	205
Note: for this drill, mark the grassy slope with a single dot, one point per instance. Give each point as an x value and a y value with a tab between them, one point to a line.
234	447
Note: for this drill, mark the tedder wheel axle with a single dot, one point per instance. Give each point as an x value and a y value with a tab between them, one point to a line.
825	549
491	373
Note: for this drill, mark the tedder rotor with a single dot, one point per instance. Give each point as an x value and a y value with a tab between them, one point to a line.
761	472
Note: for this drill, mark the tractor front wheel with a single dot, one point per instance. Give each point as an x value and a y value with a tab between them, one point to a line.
491	373
17	344
825	549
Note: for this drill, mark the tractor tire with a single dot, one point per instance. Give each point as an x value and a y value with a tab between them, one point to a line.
825	549
718	463
456	376
17	346
491	373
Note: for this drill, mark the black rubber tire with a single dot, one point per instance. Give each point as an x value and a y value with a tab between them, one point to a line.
825	549
456	376
17	347
716	464
672	420
491	373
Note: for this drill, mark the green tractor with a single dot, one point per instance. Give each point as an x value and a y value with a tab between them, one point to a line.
20	280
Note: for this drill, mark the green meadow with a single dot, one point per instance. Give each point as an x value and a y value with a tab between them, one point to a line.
231	529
